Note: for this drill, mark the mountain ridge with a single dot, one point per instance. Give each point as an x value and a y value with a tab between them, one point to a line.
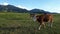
12	8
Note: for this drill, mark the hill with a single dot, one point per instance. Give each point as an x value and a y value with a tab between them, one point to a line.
38	11
11	8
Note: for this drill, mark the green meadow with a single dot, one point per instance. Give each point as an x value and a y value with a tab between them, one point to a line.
21	23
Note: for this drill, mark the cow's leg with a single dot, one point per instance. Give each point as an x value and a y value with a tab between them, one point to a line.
43	25
50	23
40	26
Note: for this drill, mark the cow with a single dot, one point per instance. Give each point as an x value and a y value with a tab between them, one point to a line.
42	19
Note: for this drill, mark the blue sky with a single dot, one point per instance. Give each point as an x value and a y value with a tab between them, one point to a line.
47	5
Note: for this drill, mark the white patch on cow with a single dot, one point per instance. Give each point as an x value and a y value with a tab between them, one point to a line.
34	18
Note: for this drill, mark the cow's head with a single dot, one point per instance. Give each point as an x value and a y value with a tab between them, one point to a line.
33	16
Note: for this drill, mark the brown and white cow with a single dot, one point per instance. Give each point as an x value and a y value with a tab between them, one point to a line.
42	19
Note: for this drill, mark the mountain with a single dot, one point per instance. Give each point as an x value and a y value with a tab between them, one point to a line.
2	7
11	8
38	11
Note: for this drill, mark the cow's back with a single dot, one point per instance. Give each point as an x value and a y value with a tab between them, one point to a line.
44	18
47	17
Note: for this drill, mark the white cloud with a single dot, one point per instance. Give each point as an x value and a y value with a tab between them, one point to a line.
5	3
51	8
22	7
55	9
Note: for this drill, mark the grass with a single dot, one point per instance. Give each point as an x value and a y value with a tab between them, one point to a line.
21	23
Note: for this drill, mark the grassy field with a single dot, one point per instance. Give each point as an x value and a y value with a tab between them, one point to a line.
21	23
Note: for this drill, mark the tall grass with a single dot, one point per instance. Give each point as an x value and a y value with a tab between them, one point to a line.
21	23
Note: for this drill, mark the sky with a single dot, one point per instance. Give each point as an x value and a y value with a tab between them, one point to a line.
47	5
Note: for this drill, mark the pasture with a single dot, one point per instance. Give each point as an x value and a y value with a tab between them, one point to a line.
21	23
